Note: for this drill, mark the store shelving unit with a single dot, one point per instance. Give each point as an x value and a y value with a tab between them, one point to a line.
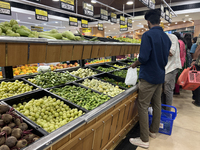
100	128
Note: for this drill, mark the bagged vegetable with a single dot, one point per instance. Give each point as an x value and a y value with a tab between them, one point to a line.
131	76
44	68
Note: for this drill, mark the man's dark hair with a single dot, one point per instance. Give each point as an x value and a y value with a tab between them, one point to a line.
153	16
194	39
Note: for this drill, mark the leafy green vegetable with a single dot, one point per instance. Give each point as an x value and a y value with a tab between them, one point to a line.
81	96
105	69
120	73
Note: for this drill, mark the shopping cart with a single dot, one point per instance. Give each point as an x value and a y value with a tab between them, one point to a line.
166	120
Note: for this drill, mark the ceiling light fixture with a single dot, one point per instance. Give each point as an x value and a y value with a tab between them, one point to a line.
29	18
55	0
176	23
184	21
93	1
129	2
186	15
108	30
168	24
105	27
132	21
56	22
114	28
142	30
139	23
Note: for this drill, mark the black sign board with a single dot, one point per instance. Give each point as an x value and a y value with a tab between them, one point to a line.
84	23
67	4
129	23
41	15
5	8
162	8
152	4
100	26
145	2
123	28
88	9
113	17
73	21
166	14
122	20
104	14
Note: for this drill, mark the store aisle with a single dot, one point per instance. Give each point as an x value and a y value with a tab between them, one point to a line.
186	128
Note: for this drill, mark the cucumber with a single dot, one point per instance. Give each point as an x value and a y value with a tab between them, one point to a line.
47	37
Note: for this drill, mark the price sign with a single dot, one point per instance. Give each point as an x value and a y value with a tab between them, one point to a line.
170	18
67	4
100	26
36	28
145	2
162	11
123	28
122	20
73	21
129	22
166	14
88	9
84	23
41	15
86	30
5	8
104	14
113	18
152	4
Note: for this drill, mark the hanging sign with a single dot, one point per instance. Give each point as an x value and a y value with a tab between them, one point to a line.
73	21
129	22
162	11
5	8
67	4
145	2
84	23
104	14
100	26
113	17
122	20
170	17
152	4
41	15
86	30
123	28
88	9
37	28
166	14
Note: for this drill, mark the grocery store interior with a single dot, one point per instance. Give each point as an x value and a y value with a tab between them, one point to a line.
63	66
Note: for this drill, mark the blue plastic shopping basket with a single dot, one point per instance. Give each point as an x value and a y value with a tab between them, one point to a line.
166	120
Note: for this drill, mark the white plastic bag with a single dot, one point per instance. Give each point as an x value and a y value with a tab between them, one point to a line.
44	68
131	76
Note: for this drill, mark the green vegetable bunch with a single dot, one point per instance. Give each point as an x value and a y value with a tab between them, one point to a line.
50	79
120	73
119	66
122	84
105	69
83	73
81	96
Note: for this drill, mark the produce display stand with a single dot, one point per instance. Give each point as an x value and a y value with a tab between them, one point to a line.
101	128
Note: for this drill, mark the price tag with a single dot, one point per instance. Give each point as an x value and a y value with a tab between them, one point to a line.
37	28
162	11
88	9
86	30
41	15
104	14
129	23
166	14
113	18
100	26
123	28
67	4
73	21
152	4
145	2
122	20
5	8
84	23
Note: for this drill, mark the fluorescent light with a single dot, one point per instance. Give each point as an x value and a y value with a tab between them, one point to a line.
184	21
29	18
96	25
108	30
105	27
175	22
142	30
114	28
129	2
56	22
130	32
132	21
55	0
139	23
105	32
186	15
93	1
161	21
112	23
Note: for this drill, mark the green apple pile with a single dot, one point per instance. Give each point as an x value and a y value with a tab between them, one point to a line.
83	73
8	89
102	87
48	112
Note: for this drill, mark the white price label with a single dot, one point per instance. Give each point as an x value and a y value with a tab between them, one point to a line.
114	20
44	18
161	126
5	11
104	17
84	25
88	12
67	6
73	23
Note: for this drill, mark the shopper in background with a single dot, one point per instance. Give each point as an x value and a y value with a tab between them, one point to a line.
153	58
188	41
196	62
171	70
182	57
194	46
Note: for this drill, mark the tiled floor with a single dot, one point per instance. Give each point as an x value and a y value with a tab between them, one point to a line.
186	128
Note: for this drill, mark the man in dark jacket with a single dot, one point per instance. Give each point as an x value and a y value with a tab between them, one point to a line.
153	58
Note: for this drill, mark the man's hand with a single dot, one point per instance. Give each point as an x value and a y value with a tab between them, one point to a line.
193	63
133	65
170	54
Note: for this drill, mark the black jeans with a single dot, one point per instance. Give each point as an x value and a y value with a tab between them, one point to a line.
196	93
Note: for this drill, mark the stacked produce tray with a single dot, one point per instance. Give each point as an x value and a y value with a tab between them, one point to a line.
120	73
106	66
128	62
121	65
